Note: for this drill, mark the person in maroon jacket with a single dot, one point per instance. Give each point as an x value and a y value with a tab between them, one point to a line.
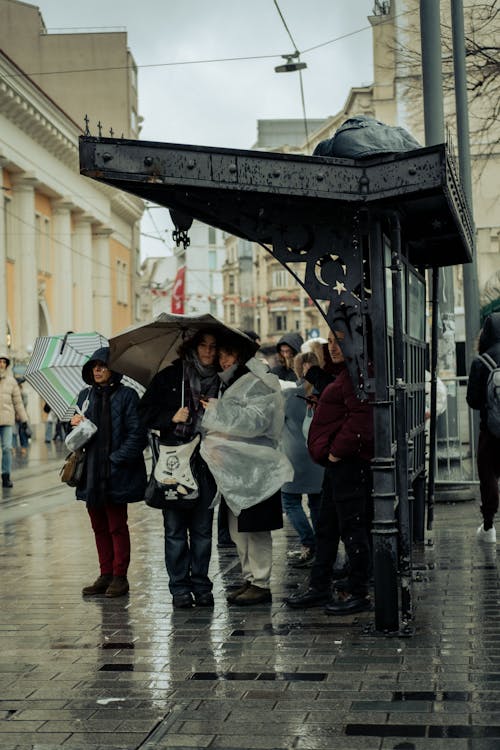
341	439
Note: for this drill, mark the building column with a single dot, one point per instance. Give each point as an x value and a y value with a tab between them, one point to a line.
63	266
3	267
102	280
23	210
82	249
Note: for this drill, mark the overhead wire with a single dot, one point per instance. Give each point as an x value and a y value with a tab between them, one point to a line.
153	222
207	61
297	55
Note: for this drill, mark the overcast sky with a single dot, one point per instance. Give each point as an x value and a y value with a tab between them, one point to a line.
219	103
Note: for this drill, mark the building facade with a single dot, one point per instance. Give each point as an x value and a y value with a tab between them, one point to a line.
69	246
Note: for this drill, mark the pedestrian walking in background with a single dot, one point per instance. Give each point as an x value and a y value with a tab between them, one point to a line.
287	347
243	429
115	472
50	420
11	409
188	533
488	449
23	428
308	476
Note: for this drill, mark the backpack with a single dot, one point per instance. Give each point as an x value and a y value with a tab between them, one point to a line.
492	394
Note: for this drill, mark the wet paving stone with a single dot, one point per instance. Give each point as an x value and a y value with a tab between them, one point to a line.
131	673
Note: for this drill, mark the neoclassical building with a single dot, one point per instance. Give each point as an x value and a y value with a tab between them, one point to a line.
69	246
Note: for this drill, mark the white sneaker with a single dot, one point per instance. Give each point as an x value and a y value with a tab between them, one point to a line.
487	537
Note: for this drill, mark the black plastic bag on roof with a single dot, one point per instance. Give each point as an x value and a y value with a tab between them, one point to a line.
362	136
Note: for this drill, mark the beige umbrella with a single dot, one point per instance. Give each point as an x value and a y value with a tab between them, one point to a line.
143	350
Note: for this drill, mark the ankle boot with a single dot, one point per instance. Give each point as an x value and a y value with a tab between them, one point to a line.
117	587
6	481
99	586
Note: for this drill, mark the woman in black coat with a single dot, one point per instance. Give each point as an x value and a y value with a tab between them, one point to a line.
115	472
488	450
172	405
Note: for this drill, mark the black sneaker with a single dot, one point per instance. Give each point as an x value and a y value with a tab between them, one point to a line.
182	601
348	604
310	598
205	599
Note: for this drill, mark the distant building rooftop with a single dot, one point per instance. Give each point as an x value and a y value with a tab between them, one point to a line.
279	132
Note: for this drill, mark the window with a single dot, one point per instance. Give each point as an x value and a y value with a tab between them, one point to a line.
280	322
42	243
211	236
212	260
230	283
280	278
8	230
121	282
232	313
38	241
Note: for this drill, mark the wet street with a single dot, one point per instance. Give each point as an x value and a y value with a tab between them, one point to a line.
131	673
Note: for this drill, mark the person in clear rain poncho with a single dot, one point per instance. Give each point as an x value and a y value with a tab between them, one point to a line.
243	427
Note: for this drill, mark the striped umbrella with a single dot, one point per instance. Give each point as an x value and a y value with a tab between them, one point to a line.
55	368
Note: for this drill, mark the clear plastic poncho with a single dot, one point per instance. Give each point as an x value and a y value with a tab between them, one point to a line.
242	430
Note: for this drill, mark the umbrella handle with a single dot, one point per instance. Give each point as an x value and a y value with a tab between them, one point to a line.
182	386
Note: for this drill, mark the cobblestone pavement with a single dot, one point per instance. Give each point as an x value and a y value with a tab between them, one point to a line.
131	673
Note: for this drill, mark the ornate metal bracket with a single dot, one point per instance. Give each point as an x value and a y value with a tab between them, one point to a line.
330	265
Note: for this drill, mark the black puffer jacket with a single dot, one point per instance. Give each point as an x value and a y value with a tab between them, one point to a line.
489	342
123	453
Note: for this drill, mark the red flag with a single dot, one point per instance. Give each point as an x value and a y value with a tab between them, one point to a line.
178	292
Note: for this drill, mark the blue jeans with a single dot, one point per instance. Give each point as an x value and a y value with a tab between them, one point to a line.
48	431
292	505
6	443
188	539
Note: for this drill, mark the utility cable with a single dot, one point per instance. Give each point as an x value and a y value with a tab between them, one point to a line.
297	55
23	74
296	49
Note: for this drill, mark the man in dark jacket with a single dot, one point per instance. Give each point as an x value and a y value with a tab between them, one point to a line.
341	439
115	472
287	347
488	450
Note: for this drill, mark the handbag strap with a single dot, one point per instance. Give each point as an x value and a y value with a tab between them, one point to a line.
81	410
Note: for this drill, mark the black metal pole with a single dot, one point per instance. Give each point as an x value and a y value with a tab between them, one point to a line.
384	529
432	425
402	449
471	285
432	84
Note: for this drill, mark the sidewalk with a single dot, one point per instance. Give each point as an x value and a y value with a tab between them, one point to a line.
131	673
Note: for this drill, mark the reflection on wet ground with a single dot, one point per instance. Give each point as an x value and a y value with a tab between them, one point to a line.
132	673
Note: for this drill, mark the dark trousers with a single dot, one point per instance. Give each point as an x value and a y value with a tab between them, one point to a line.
188	538
223	536
109	522
351	486
327	539
488	469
